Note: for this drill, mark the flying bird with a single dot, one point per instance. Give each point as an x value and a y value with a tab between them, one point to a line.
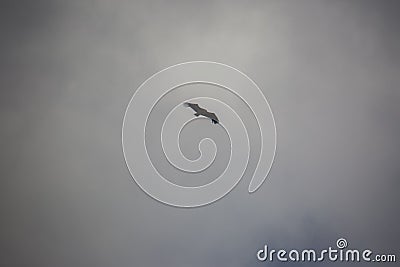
203	112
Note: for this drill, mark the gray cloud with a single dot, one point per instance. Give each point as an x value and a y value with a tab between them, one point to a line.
328	68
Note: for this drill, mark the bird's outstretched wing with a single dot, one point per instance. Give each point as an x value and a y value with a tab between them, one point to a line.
213	117
195	107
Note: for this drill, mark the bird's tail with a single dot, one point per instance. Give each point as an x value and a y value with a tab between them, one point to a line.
186	104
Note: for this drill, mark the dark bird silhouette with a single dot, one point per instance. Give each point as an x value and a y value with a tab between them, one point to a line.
201	111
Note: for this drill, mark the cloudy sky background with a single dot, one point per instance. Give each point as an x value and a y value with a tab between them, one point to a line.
329	69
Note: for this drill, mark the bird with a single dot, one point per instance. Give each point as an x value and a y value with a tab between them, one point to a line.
203	112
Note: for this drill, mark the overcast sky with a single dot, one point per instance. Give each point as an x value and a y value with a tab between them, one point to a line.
329	69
